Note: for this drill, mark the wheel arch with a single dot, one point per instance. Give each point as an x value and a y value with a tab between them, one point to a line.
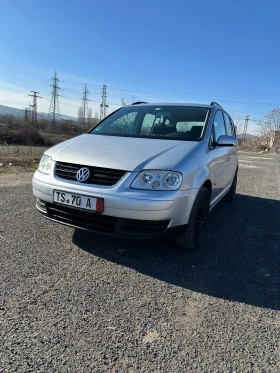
208	185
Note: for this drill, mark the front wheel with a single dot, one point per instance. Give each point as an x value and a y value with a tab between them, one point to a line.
194	232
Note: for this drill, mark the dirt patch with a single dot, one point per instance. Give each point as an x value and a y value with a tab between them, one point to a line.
151	336
13	164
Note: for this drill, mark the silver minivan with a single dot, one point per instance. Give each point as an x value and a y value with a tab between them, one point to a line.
146	170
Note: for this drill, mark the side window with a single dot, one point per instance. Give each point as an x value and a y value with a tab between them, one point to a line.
233	128
147	124
211	138
187	126
219	125
228	124
124	124
183	126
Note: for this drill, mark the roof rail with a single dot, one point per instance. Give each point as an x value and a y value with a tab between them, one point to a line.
139	102
215	103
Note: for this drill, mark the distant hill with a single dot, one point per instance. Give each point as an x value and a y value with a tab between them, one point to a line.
15	111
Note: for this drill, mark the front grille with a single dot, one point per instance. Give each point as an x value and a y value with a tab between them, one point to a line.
98	175
105	224
82	219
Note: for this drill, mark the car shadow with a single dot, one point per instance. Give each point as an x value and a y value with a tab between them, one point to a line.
240	260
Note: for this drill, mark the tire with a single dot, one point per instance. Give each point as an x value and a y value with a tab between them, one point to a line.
193	234
231	193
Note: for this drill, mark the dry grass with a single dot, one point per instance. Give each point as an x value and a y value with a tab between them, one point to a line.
29	137
15	163
18	158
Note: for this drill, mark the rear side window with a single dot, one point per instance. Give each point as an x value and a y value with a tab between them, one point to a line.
147	125
229	125
233	128
219	125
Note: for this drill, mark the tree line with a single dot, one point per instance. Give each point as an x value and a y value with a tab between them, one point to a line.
269	128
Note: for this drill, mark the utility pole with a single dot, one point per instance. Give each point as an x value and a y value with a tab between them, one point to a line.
54	113
85	105
34	107
245	127
103	105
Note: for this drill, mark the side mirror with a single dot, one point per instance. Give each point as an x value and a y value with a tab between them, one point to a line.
225	140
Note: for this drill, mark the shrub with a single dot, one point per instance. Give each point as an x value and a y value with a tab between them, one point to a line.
261	147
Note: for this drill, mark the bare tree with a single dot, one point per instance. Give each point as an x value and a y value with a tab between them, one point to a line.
127	101
264	130
80	115
273	117
239	127
89	118
269	127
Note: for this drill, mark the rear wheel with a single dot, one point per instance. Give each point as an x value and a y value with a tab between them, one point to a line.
231	193
194	232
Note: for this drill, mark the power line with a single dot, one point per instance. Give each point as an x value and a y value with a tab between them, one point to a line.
172	91
103	105
54	113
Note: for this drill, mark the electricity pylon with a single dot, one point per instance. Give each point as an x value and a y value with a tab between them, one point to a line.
34	108
103	105
54	113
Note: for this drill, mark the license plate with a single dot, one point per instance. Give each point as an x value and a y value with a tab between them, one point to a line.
78	201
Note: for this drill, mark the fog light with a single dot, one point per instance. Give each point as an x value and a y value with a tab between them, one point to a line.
41	205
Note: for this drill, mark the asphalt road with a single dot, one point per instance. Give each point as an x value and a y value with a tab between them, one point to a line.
72	301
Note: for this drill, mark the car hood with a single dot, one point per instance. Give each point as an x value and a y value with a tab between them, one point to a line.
125	153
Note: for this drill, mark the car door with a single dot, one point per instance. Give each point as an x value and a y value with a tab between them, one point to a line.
219	157
232	162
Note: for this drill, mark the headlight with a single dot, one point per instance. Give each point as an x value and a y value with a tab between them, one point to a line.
157	180
45	164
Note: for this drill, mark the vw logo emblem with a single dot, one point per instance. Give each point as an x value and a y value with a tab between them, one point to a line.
83	174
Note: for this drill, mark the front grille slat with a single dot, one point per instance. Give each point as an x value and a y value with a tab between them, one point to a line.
84	224
82	218
81	214
104	223
98	175
67	171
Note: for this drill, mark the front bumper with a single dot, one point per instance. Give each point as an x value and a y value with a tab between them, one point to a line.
128	212
104	224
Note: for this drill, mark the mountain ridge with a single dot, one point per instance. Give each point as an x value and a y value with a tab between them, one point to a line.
15	111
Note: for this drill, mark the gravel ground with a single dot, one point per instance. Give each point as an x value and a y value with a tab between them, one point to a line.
20	149
71	301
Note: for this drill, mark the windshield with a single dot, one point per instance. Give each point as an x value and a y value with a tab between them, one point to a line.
163	122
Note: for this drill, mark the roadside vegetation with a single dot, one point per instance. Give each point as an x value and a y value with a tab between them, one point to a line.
22	141
24	131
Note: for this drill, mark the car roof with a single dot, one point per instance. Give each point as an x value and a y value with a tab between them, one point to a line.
172	104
